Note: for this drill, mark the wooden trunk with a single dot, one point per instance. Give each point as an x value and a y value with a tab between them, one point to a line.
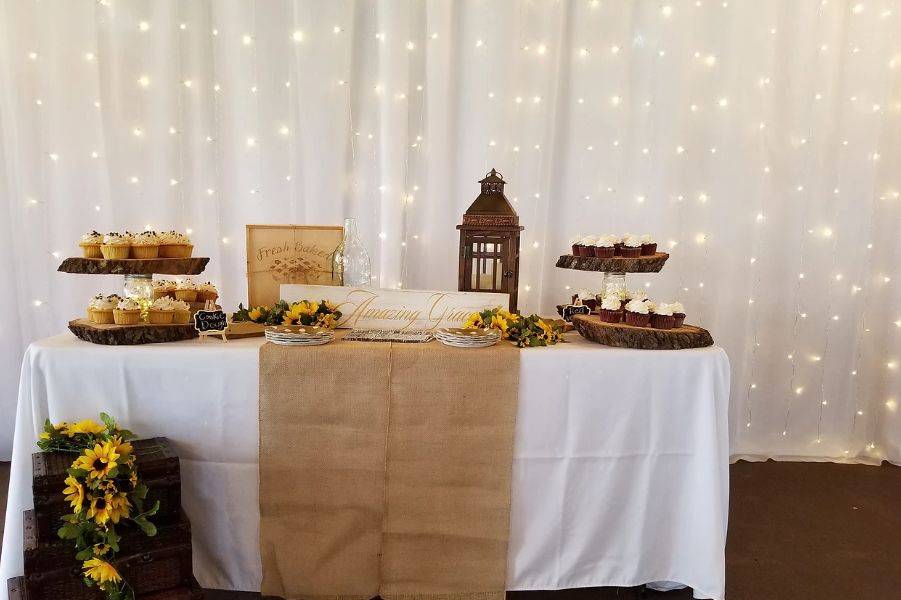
157	465
149	564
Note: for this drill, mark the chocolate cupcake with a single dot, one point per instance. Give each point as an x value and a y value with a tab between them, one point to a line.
662	317
678	313
576	242
631	246
611	309
605	246
586	245
648	245
637	313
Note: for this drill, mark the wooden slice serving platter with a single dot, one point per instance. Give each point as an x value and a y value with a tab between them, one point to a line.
127	335
621	335
135	266
616	264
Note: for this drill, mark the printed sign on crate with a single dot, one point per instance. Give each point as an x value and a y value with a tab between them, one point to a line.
374	308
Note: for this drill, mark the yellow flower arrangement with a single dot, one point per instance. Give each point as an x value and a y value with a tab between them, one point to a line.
305	312
525	332
100	571
103	489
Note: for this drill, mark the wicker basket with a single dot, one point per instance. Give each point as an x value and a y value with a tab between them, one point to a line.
157	466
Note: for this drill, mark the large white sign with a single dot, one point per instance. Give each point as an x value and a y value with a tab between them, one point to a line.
373	308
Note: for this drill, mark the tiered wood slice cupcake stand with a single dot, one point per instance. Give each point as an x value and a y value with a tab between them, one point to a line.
622	335
135	271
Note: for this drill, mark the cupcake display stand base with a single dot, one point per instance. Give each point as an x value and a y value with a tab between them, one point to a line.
134	266
126	335
621	335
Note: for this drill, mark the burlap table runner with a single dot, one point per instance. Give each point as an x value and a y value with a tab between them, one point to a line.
385	470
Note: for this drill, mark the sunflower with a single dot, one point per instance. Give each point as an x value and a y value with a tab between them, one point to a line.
474	320
86	426
74	494
97	461
119	508
499	322
255	314
45	435
102	509
124	450
101	571
326	321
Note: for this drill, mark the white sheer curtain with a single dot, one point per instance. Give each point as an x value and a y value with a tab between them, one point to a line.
758	140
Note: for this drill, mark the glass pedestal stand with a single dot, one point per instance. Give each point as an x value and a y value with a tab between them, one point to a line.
140	289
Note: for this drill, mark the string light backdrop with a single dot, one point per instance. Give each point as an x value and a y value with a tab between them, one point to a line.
758	141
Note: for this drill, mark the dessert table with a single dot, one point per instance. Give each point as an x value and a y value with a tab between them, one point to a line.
620	471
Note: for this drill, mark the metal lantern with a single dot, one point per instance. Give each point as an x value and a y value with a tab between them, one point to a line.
489	242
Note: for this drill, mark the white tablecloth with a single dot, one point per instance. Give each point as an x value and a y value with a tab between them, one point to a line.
620	473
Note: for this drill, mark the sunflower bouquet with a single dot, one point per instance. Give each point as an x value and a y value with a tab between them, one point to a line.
103	490
306	312
531	331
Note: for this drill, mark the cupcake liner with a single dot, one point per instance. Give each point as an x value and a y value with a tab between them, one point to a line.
103	316
649	249
145	251
115	251
631	252
663	321
160	317
618	249
610	316
160	293
186	295
176	250
90	312
583	251
181	317
91	251
603	251
126	317
637	319
575	249
679	319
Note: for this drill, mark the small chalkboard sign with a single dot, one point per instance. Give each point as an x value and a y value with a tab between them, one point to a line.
574	309
210	321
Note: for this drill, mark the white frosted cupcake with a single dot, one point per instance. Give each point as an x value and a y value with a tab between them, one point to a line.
648	245
175	245
102	309
662	316
92	304
631	246
611	309
116	246
182	312
90	245
207	291
637	313
127	312
145	245
161	312
163	288
186	291
678	313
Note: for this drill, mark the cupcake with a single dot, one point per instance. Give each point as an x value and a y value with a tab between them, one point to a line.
145	245
207	291
92	304
175	245
631	246
662	317
127	312
637	313
182	312
102	309
678	313
161	312
617	246
576	242
163	288
629	295
586	245
116	246
604	246
186	291
611	309
648	245
90	245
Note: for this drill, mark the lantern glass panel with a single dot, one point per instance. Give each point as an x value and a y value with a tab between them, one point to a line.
487	267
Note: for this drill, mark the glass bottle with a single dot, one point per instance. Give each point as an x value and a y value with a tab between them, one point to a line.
351	265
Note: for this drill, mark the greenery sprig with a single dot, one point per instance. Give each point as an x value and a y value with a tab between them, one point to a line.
306	312
525	332
103	490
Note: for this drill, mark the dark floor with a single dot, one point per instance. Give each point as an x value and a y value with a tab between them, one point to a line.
797	531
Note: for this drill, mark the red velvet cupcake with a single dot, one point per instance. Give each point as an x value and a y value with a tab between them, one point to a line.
637	313
678	313
648	246
659	321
